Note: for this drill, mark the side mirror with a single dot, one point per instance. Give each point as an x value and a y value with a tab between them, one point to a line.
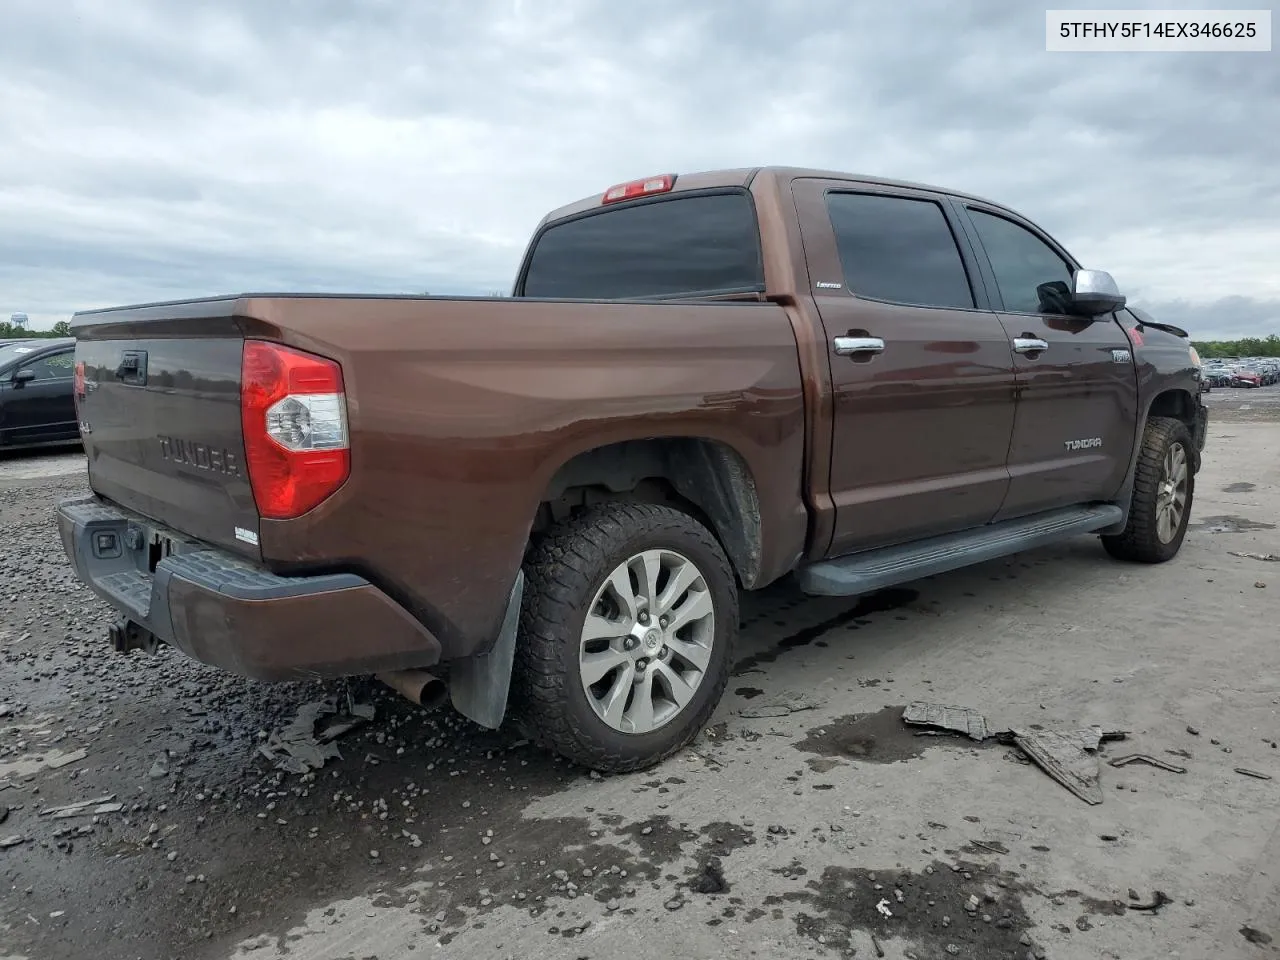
23	377
1094	292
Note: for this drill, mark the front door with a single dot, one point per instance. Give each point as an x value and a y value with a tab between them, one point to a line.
921	370
42	410
1077	383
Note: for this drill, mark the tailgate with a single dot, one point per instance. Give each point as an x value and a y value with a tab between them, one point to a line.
160	418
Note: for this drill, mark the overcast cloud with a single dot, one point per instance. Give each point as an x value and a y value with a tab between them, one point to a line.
152	149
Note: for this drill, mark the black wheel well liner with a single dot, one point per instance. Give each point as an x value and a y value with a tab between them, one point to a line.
1175	402
707	478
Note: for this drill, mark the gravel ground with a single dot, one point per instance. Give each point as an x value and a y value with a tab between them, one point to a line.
806	821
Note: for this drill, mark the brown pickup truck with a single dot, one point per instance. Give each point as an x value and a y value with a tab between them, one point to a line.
701	384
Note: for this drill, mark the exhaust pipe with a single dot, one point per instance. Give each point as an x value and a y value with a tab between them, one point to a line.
418	686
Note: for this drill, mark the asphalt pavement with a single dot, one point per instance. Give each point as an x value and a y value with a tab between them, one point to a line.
146	820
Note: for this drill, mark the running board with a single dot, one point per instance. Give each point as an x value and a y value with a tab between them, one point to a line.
860	573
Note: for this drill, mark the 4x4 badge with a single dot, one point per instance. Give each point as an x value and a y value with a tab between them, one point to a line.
1119	356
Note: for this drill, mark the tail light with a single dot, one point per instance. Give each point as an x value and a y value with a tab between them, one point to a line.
78	384
294	412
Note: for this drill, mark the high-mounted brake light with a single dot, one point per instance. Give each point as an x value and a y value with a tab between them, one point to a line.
639	188
293	408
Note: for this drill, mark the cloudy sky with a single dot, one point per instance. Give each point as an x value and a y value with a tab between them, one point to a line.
154	149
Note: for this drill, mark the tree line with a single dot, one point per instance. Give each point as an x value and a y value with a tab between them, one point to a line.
10	332
1248	347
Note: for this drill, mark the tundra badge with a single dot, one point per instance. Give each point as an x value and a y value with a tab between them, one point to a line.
1083	444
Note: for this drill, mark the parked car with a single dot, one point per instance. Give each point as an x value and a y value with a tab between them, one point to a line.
700	385
1217	378
1244	377
37	405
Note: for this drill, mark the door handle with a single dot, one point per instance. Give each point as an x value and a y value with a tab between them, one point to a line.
849	346
133	367
1029	345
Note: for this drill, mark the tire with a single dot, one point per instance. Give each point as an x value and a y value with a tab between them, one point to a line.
1154	534
574	571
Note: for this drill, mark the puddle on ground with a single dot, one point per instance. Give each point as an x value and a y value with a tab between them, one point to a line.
845	900
1239	488
879	737
1230	524
878	602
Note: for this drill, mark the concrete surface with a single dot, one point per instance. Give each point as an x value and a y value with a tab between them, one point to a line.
430	838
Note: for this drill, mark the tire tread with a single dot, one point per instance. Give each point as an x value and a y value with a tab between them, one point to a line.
1139	542
561	573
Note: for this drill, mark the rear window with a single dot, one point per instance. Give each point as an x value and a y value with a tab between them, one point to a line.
700	244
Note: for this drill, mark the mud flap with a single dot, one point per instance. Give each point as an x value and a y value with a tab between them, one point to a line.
478	686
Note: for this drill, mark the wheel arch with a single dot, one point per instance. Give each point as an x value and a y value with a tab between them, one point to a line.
708	478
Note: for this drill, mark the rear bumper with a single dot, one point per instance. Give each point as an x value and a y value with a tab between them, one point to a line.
223	611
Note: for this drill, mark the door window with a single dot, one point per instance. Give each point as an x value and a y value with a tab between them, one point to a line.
56	366
898	249
1032	277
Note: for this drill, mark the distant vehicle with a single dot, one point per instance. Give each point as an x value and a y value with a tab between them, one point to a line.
1246	378
37	393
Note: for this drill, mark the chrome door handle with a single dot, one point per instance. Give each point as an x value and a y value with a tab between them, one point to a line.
1029	345
848	346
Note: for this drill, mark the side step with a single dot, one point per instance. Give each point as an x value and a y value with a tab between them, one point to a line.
887	566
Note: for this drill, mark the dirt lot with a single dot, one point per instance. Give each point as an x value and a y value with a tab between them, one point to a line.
807	821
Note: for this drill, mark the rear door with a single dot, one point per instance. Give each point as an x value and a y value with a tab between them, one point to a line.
41	410
921	371
1076	379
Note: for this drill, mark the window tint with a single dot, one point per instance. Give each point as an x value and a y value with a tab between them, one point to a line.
54	366
698	244
1031	276
892	248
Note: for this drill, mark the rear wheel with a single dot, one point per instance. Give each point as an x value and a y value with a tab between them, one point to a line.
629	617
1163	490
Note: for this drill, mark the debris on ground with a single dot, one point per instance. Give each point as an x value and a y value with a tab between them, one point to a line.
1257	775
710	878
298	748
13	841
1147	759
942	717
62	759
1069	758
1273	557
779	706
990	847
4	812
1158	900
77	809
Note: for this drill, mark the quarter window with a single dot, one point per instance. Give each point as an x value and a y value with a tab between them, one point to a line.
1032	277
898	249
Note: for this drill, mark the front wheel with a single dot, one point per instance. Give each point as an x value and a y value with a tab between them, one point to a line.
627	628
1163	490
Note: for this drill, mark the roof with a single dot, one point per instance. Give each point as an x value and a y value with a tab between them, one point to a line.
743	176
